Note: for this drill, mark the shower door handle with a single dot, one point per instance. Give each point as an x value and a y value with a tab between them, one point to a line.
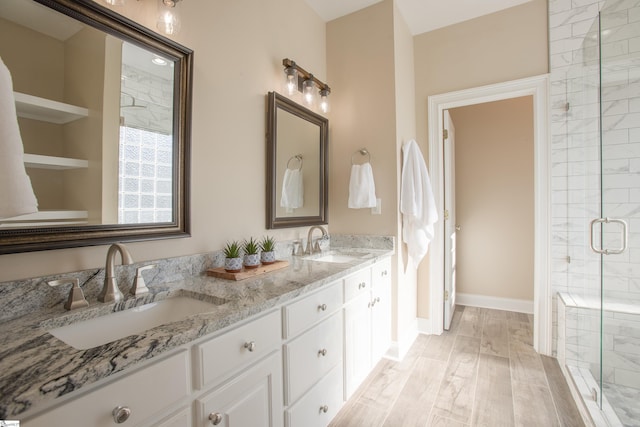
623	234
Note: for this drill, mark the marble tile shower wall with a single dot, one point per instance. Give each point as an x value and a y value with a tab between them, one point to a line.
620	344
575	152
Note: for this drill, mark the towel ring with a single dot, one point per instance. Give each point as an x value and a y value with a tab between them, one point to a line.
297	157
363	152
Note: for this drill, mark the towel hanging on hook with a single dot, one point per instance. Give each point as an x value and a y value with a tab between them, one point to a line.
362	189
297	157
363	152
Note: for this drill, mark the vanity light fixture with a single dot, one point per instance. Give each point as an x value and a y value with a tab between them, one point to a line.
298	79
168	17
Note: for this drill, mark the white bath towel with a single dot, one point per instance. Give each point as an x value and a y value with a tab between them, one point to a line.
417	204
292	189
16	193
362	189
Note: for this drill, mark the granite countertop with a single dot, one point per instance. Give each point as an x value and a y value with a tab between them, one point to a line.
36	367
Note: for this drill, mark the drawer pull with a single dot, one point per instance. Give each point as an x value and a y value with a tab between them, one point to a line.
215	418
322	307
121	414
362	285
384	273
322	352
324	409
251	346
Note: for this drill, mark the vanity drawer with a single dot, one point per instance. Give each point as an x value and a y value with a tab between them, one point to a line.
357	284
381	271
241	346
140	392
311	356
309	411
302	314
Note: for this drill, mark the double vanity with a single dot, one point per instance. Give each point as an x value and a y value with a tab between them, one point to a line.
285	348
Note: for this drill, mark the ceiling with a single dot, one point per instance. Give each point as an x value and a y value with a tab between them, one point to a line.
420	15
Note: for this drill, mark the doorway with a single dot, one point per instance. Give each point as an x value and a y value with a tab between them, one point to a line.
489	226
537	88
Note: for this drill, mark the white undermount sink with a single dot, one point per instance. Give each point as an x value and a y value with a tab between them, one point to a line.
337	258
97	331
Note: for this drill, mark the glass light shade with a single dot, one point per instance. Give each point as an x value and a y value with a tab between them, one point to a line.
309	92
291	80
168	17
324	101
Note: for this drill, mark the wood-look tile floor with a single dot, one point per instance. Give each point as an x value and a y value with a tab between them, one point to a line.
483	372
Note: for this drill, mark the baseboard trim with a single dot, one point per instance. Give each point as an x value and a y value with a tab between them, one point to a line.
510	304
424	326
399	349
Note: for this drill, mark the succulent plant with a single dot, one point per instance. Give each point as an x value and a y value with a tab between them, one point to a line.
232	250
268	244
251	247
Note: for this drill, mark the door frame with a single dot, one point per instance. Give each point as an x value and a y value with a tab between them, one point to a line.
538	88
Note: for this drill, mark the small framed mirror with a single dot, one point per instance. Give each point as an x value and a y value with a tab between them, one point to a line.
297	178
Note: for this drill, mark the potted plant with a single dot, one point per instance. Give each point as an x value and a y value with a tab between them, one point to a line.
233	258
251	253
268	248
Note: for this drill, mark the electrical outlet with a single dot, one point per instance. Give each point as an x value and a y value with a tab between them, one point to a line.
378	209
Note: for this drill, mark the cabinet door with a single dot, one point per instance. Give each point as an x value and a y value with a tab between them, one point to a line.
357	335
380	310
311	355
252	398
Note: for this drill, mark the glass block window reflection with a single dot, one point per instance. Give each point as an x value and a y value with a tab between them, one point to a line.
145	192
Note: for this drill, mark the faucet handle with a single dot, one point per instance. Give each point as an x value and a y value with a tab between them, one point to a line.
139	286
76	296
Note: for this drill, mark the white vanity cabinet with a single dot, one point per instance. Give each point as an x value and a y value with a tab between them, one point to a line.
367	322
136	399
242	369
313	352
251	398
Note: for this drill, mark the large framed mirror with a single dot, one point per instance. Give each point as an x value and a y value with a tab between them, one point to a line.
104	110
297	178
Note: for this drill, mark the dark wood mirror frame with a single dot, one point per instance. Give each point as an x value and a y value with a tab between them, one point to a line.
275	103
97	16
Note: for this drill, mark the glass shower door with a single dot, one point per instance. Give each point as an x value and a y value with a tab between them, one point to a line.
613	232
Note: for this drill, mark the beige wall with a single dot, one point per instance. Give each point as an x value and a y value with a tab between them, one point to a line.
239	46
370	66
494	198
503	46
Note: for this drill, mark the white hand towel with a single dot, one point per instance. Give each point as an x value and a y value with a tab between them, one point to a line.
292	189
16	193
362	189
417	204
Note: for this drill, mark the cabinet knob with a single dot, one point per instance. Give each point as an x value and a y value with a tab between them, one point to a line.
322	307
362	285
378	299
121	414
215	418
322	352
251	346
324	408
384	273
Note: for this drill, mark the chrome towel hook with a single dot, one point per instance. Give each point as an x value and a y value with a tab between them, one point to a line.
297	157
363	152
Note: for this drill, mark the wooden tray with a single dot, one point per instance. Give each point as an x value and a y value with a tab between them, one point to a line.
246	272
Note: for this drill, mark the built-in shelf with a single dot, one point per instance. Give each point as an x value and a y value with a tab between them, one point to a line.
36	108
44	218
52	162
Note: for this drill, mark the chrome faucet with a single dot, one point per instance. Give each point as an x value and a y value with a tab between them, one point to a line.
310	246
110	291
